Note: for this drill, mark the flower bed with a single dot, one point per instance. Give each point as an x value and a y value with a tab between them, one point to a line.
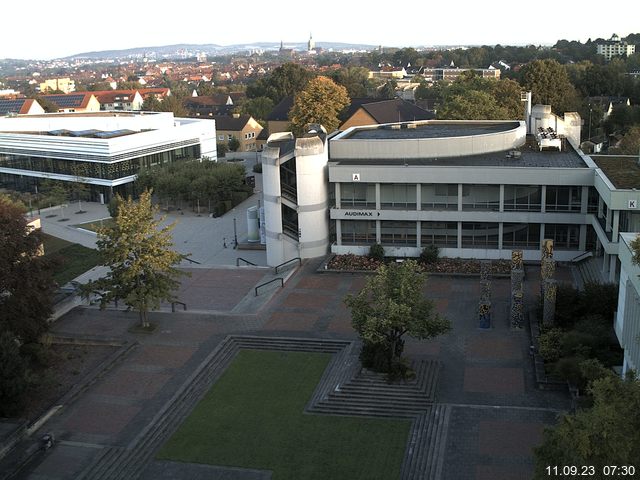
443	265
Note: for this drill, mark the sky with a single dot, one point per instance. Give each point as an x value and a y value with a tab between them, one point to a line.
51	31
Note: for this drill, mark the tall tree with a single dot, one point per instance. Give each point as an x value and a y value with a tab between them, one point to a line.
354	79
550	85
284	81
606	434
259	107
393	304
320	102
142	265
26	283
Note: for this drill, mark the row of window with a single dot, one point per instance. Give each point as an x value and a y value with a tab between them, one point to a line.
473	234
108	171
521	198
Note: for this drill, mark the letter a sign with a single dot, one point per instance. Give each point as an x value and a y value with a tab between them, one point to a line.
355	177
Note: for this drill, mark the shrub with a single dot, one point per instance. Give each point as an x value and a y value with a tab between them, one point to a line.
257	168
568	369
429	254
376	252
13	376
549	344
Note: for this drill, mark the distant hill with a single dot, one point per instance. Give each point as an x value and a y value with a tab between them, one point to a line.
167	51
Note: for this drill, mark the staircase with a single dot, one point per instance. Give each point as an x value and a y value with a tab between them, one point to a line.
589	270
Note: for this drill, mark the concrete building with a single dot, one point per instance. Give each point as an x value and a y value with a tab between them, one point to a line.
124	100
627	317
65	85
104	149
614	47
242	127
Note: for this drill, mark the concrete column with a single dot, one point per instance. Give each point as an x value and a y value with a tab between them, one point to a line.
543	200
600	206
338	232
418	197
500	232
501	207
613	265
378	233
582	242
605	262
418	236
337	192
378	198
607	221
584	200
616	225
541	234
459	234
459	201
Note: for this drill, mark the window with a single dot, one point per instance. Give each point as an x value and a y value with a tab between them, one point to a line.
398	233
439	196
400	196
361	195
522	198
565	237
481	197
479	235
440	234
521	235
563	199
358	232
229	137
221	137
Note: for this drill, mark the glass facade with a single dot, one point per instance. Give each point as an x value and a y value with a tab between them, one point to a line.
563	199
565	237
398	233
440	234
360	195
398	196
102	170
358	232
481	197
479	235
522	198
439	196
521	235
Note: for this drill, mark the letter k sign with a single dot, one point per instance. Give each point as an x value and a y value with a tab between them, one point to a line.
355	177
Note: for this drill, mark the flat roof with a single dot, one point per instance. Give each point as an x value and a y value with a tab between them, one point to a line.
102	113
428	129
530	156
622	170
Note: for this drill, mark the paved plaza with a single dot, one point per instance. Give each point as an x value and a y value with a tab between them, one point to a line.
496	412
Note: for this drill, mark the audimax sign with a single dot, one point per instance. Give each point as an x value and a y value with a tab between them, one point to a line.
361	213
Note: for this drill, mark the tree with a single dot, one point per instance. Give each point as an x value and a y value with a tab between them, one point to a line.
151	104
221	149
387	90
13	375
259	107
550	85
26	283
286	80
142	265
354	79
234	144
175	104
391	305
48	105
320	102
606	434
629	143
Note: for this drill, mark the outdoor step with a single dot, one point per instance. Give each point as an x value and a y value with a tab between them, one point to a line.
393	406
366	412
101	464
382	396
412	452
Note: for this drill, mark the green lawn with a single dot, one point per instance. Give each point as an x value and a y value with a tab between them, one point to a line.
71	259
93	226
253	418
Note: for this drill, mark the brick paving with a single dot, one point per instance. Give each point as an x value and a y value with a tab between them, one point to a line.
486	377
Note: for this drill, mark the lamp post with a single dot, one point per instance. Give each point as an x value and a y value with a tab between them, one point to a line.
590	110
235	234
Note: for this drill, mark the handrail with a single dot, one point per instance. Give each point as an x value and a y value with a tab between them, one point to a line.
577	258
173	306
289	261
270	281
245	261
192	261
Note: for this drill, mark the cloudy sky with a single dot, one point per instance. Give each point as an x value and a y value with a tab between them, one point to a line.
50	30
